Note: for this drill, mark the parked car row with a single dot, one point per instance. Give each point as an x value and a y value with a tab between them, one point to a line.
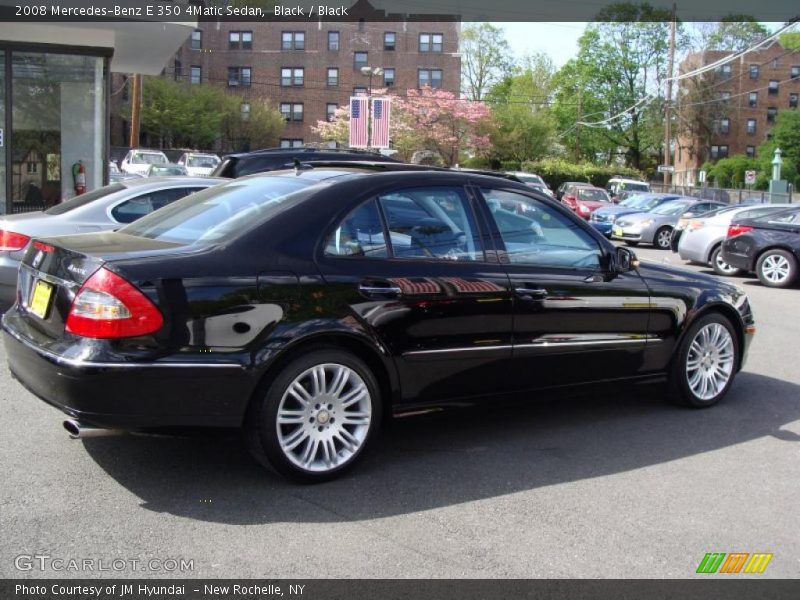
304	304
139	162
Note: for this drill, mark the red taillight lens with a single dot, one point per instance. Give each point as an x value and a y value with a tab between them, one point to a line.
734	230
108	306
12	241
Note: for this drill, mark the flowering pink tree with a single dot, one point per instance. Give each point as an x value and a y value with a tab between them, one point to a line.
426	119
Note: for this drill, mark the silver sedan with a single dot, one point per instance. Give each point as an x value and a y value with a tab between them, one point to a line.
701	240
106	208
656	227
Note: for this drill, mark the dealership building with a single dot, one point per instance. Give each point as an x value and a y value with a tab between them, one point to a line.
55	87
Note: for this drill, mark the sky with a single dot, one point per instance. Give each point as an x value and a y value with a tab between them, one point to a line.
558	40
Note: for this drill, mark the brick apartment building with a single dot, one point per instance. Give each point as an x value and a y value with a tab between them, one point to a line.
731	110
308	69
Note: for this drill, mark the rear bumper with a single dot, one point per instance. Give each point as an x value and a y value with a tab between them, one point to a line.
132	395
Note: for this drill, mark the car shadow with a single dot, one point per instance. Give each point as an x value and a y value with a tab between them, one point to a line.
447	458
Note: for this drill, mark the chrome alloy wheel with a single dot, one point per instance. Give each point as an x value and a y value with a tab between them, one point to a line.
775	268
324	417
723	266
664	239
709	364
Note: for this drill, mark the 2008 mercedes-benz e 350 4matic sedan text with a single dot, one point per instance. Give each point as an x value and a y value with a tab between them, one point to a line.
306	305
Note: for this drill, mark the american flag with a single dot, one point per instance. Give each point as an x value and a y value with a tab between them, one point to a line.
358	121
416	286
467	286
381	110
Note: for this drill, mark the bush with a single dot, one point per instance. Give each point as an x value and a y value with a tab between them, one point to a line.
510	165
557	171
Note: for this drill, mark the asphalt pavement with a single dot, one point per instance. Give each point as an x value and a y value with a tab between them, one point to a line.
606	484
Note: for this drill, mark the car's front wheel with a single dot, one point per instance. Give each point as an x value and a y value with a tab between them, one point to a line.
706	362
720	266
776	268
663	238
316	417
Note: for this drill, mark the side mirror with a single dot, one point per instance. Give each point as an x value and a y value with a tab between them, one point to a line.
626	260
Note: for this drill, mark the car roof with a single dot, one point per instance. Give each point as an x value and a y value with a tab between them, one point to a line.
306	150
142	182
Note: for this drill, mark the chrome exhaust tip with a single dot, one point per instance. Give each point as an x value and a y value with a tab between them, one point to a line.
80	431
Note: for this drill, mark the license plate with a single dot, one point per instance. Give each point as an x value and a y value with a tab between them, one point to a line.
40	299
617	231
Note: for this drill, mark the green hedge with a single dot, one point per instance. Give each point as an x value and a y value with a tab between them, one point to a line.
557	171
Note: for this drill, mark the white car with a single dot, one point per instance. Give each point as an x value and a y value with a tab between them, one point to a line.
138	161
532	180
199	165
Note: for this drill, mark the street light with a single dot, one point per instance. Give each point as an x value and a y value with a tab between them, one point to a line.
370	71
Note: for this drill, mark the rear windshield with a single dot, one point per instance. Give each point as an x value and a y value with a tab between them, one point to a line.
592	194
206	162
84	199
530	179
635	187
636	201
156	170
217	212
671	208
148	158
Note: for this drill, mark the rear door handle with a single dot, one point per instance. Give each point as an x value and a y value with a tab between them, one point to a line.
530	292
372	290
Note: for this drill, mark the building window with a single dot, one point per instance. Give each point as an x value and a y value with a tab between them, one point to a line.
330	110
751	126
333	77
724	96
177	71
292	111
389	41
293	76
429	77
750	151
724	125
724	71
723	151
430	42
752	98
772	90
291	142
197	40
240	40
244	111
196	75
753	71
796	72
793	100
360	59
333	41
293	40
359	90
771	112
239	76
388	78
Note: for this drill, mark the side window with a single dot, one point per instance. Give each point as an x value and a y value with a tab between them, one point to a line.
260	164
360	234
136	208
537	234
435	222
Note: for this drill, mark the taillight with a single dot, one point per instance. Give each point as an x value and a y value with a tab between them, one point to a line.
108	306
12	241
734	230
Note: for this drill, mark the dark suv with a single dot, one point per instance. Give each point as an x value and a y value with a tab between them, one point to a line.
260	161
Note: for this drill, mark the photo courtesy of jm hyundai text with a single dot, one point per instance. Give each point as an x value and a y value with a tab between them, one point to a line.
304	306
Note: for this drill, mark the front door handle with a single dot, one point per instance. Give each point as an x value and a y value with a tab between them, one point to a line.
372	290
531	292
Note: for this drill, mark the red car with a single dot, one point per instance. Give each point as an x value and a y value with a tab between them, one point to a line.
584	200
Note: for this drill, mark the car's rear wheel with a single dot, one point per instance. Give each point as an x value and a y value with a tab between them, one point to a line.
705	365
777	268
720	266
316	417
663	238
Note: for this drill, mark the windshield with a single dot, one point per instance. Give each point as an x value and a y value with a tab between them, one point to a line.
84	199
175	170
592	194
205	162
531	179
148	158
216	212
636	201
671	208
635	187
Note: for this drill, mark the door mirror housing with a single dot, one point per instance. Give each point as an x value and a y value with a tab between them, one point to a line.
626	260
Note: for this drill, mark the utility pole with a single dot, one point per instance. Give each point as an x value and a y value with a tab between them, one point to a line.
668	99
136	106
578	127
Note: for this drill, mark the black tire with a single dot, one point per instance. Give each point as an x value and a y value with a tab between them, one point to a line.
658	242
681	391
720	266
770	276
261	427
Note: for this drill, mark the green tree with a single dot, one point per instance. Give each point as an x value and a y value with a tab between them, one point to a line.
736	32
786	136
485	58
790	40
621	63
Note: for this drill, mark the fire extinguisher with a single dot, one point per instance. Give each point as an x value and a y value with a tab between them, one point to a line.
79	177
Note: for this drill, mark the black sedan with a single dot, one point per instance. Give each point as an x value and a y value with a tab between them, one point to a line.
304	306
768	245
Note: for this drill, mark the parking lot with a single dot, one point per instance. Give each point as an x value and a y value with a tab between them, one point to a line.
605	484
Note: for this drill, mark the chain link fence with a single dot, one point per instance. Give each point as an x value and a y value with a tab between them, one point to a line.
731	196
